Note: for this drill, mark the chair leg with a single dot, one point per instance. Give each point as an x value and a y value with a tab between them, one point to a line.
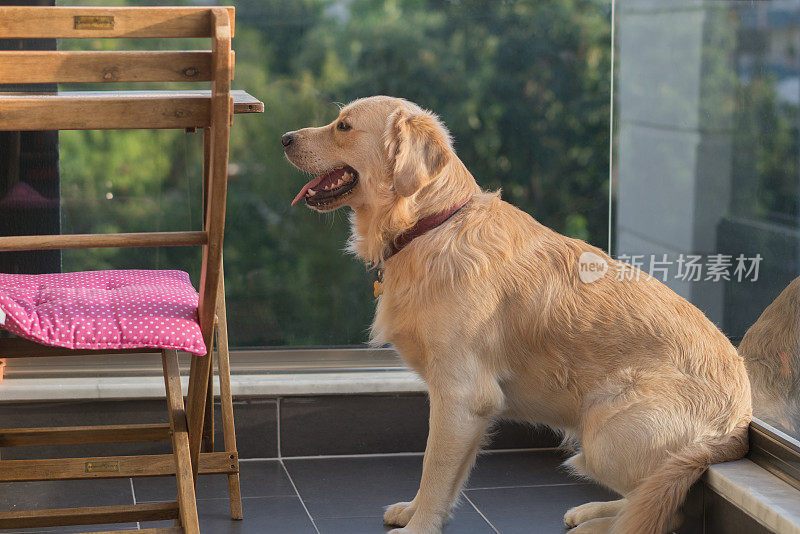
208	419
196	406
180	443
226	401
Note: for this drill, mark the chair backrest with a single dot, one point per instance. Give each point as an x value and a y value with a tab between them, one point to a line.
212	111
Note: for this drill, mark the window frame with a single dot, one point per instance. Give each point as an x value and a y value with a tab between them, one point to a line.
775	451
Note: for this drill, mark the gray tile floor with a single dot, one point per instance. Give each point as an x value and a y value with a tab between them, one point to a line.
508	493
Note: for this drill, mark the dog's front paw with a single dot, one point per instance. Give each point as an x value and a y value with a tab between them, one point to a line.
409	530
580	514
399	514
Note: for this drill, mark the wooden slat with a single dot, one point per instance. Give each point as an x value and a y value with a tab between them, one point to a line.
16	347
70	241
95	112
75	435
149	465
61	22
44	351
87	516
105	67
162	530
242	101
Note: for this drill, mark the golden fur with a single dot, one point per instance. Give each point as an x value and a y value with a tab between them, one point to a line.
489	309
771	352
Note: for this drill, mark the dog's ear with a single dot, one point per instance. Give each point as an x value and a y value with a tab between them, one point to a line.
418	146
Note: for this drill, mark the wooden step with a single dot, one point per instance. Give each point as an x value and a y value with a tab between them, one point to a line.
131	513
69	241
147	465
27	22
115	110
163	530
73	66
78	435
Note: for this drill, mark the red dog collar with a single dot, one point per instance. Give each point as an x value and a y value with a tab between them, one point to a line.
423	225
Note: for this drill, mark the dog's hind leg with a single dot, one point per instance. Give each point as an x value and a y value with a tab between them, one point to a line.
605	525
641	444
460	416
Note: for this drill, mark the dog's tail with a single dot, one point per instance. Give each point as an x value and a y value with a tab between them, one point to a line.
653	504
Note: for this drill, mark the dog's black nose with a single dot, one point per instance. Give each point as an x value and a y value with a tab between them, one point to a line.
287	138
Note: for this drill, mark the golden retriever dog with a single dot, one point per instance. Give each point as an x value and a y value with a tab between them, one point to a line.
771	352
489	307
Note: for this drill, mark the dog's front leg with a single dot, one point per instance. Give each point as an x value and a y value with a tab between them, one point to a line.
458	421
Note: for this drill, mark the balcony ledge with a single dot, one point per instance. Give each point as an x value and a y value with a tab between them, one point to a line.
242	385
757	492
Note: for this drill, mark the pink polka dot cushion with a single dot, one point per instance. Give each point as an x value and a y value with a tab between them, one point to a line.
103	309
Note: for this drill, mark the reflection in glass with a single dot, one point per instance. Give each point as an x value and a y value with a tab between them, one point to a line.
707	165
771	351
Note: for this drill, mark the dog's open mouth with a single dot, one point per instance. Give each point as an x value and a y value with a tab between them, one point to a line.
326	187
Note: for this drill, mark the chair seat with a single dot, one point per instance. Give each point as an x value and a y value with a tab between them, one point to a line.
102	310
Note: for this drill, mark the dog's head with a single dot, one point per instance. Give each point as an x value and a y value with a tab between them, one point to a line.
388	159
378	150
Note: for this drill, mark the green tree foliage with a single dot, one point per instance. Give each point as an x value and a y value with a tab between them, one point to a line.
523	86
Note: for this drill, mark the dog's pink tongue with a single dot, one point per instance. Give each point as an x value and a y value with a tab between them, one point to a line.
309	185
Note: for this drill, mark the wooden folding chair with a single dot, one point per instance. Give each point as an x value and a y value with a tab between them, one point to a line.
190	428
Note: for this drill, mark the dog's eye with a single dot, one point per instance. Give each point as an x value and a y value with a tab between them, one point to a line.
343	126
